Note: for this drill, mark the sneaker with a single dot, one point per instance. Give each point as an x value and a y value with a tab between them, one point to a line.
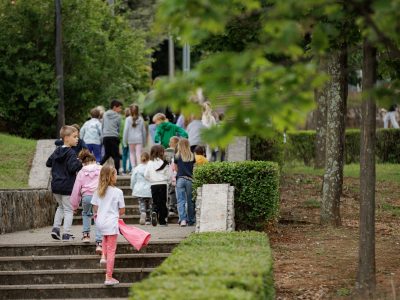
142	220
147	223
111	281
154	218
171	213
183	223
99	249
86	237
67	237
103	261
55	233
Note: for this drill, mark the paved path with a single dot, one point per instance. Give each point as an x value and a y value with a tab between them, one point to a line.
39	174
42	235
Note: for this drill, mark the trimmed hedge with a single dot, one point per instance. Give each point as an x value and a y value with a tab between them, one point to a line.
256	189
300	147
236	265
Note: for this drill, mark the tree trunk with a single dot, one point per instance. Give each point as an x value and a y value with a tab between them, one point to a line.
336	96
366	261
320	122
59	68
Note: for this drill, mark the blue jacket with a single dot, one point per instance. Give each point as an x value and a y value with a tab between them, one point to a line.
64	165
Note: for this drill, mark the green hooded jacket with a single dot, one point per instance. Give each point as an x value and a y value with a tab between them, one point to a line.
167	130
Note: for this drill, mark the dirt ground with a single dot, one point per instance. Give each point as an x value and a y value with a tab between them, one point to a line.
320	262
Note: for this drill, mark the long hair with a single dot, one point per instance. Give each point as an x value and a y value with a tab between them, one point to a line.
184	150
86	156
134	113
157	151
106	174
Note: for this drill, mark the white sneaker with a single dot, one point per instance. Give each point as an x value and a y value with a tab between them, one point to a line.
103	261
142	220
111	281
183	223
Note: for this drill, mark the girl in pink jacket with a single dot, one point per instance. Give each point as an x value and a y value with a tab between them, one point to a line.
85	185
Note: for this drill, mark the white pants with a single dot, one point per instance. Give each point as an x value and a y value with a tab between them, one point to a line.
64	211
390	115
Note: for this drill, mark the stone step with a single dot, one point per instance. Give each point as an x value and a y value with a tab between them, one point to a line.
64	291
123	180
19	263
69	276
126	189
129	219
131	200
129	210
79	248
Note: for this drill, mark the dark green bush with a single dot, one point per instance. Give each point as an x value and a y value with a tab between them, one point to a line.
271	149
236	265
300	146
256	189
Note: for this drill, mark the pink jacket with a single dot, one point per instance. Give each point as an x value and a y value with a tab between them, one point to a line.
137	237
86	183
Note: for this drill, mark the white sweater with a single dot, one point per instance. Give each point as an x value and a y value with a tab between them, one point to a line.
157	177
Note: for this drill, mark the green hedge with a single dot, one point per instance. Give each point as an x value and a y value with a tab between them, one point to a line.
256	189
271	149
300	147
210	266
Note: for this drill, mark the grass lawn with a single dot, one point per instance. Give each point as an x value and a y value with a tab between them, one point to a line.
384	172
16	156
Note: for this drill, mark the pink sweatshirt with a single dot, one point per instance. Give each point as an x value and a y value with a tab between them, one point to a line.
86	183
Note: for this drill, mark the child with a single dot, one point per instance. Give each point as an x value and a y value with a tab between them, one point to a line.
159	175
165	130
134	134
200	155
86	183
64	164
169	156
194	130
79	146
108	204
91	134
142	190
184	163
125	149
110	132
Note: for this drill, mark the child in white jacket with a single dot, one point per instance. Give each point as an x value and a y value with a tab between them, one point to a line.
141	189
159	175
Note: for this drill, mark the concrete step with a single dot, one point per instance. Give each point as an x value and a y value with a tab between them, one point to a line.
64	291
126	189
129	210
20	263
131	200
69	276
129	219
79	248
123	180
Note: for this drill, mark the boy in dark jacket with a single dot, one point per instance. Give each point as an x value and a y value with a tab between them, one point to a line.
79	146
64	165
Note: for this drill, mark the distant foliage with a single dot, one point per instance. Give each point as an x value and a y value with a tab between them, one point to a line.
256	189
103	58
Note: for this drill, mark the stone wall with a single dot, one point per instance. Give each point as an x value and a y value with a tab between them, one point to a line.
26	209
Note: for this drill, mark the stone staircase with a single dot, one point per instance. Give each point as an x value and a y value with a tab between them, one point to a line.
61	270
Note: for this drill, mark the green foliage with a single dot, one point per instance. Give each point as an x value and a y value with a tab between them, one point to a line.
210	266
256	189
16	155
103	58
301	146
271	149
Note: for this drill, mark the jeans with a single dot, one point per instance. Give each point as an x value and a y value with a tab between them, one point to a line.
109	248
126	160
185	201
64	211
159	195
87	217
111	149
96	150
172	202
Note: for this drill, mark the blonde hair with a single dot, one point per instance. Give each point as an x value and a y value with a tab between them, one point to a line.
106	174
184	150
159	117
67	131
173	141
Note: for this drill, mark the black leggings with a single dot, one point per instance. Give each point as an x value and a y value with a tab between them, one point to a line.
159	195
111	149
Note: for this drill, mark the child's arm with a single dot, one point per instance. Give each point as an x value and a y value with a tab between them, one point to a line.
73	164
133	179
121	211
49	162
95	207
181	132
157	136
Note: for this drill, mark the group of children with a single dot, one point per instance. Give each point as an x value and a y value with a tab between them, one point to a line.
160	175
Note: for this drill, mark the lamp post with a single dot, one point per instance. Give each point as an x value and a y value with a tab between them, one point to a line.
59	68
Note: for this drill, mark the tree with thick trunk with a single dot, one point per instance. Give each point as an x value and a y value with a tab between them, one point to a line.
366	261
336	96
320	122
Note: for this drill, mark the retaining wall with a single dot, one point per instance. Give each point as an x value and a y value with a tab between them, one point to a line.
26	209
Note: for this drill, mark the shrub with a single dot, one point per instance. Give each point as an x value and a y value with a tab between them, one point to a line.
256	189
300	146
235	265
352	146
271	149
388	146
